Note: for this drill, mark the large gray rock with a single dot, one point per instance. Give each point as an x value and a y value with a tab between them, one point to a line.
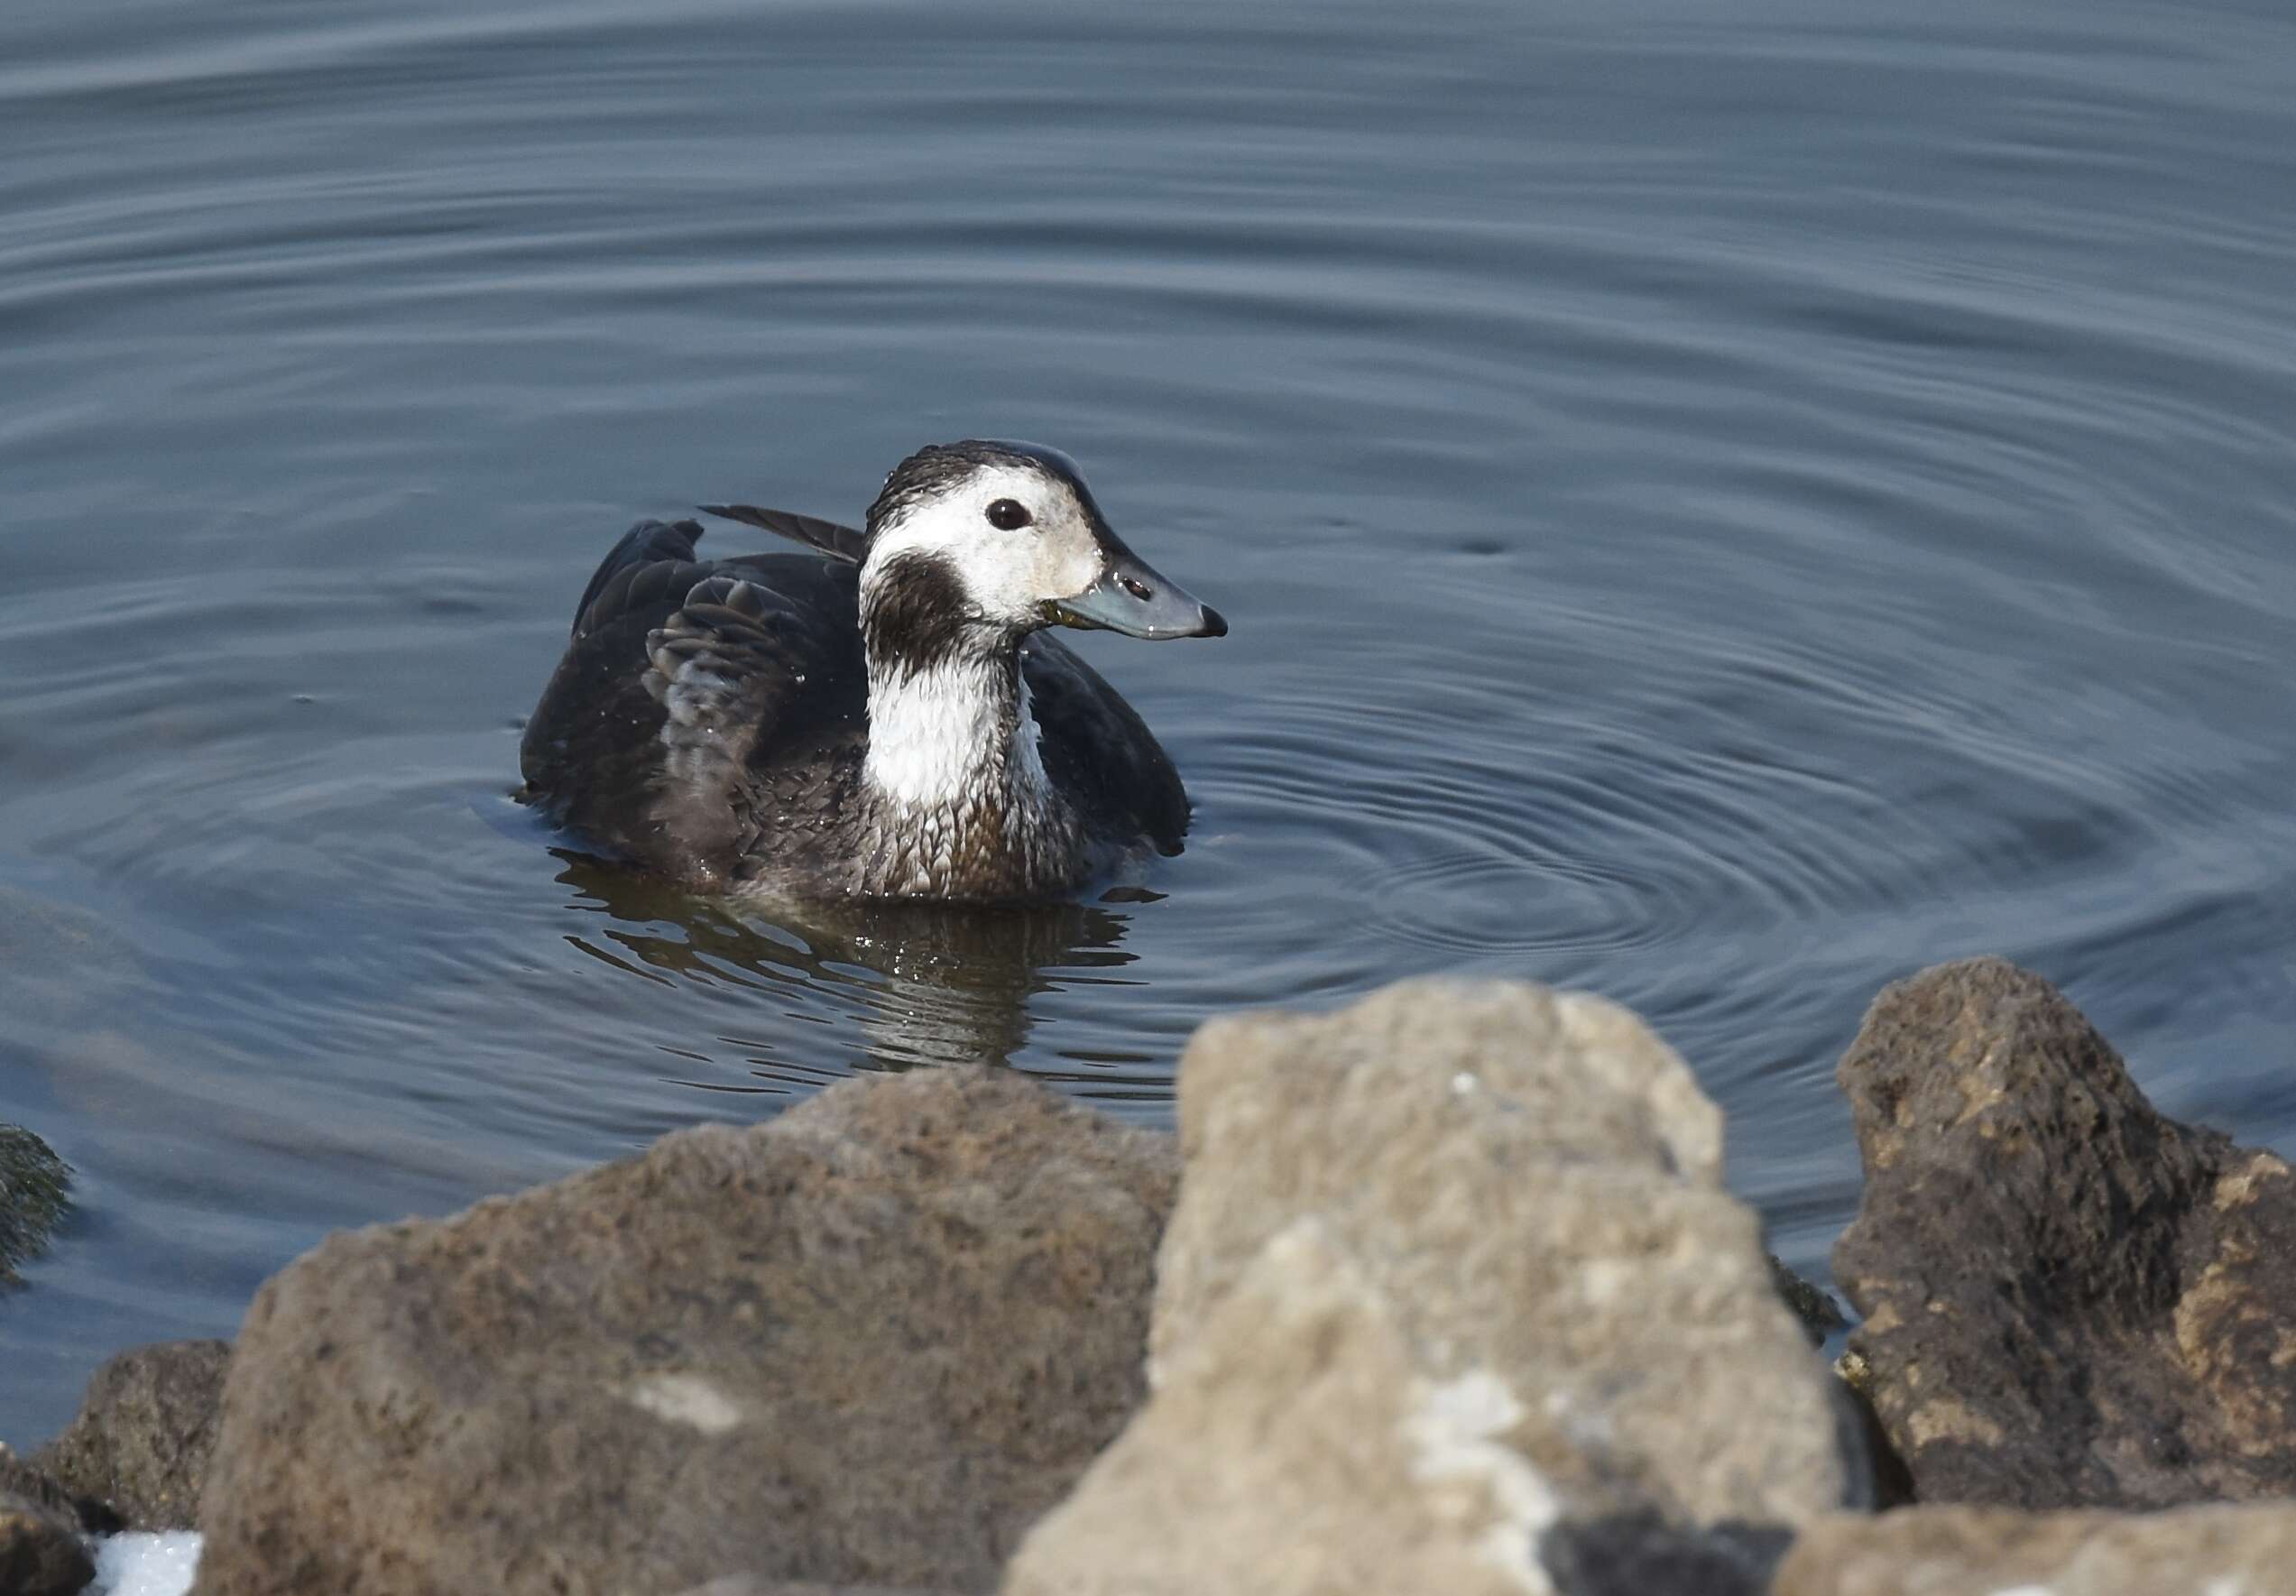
1452	1278
2069	1300
1293	1445
35	1184
867	1344
144	1433
1533	1181
2220	1551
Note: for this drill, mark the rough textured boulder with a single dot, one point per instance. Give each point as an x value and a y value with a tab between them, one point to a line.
2069	1300
867	1344
1292	1444
33	1186
32	1483
2220	1551
40	1554
1452	1278
144	1433
1534	1181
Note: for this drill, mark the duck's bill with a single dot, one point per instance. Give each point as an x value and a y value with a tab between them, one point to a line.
1132	599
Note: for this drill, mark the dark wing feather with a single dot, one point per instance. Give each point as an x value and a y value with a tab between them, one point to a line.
838	542
648	544
680	674
1097	747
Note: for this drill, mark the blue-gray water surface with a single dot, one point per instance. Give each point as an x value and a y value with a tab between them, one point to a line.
1719	503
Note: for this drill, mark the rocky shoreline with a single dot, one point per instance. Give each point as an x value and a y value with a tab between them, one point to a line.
1441	1292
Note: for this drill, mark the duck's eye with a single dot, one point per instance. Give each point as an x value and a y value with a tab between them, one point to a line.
1009	515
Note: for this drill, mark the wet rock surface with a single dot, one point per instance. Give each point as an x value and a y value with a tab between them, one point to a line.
34	1195
866	1344
41	1551
2070	1299
2217	1551
1451	1277
145	1432
1817	1312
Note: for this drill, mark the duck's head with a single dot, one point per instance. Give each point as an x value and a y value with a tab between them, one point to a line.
986	540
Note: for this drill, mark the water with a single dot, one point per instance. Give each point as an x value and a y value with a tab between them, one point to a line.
1719	506
145	1564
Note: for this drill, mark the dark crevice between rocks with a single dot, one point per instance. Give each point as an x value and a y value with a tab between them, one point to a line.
1642	1554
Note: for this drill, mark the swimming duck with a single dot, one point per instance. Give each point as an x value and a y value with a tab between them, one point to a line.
883	716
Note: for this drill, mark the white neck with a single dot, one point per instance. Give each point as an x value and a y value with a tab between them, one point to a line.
957	731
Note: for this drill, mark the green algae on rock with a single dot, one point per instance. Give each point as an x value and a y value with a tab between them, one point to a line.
34	1187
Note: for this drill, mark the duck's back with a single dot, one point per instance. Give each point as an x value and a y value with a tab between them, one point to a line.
684	679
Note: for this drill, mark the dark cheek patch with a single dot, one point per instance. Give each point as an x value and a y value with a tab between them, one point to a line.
919	614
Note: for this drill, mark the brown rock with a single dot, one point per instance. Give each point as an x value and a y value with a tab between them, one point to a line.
2068	1299
868	1342
40	1554
2218	1551
144	1433
91	1515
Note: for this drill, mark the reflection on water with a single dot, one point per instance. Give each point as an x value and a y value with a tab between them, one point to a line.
930	983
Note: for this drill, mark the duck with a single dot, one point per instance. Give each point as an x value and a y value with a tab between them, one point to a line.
881	714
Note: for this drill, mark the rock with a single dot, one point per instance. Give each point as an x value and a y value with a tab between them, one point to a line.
1533	1180
1892	1481
33	1186
1293	1445
40	1554
2216	1551
144	1433
2069	1300
867	1344
92	1515
1451	1279
1818	1314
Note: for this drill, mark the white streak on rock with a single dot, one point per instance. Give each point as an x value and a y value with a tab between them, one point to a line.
686	1399
1453	1440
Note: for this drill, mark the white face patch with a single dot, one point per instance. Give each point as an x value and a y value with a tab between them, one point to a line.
937	736
1009	574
